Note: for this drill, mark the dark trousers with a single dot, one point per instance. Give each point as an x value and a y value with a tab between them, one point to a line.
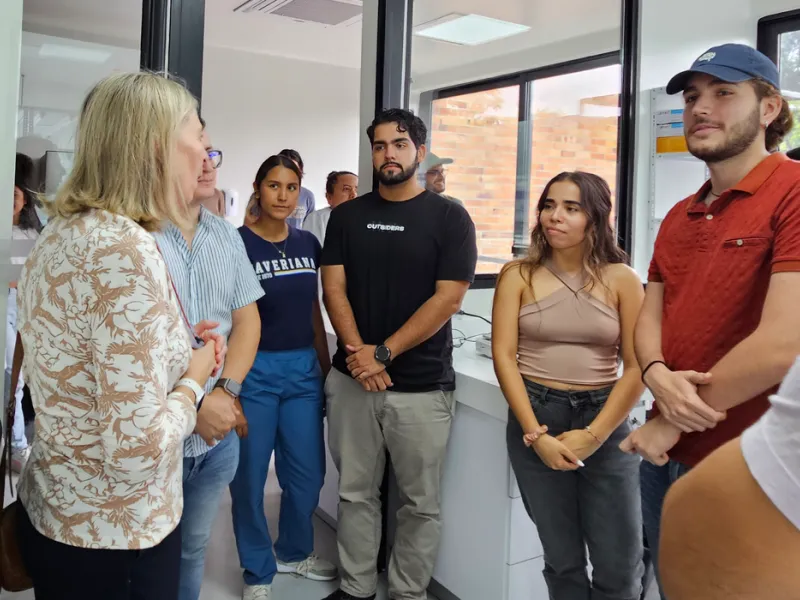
62	572
597	506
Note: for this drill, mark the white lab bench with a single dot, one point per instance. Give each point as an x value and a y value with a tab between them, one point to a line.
489	546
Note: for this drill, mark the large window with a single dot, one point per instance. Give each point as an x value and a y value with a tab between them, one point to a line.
779	38
508	138
479	132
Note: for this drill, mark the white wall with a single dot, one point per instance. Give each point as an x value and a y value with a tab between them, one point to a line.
673	35
255	105
10	40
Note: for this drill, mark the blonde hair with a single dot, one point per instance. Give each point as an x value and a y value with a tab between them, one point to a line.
126	134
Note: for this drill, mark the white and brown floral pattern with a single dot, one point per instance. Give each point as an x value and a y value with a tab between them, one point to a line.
104	345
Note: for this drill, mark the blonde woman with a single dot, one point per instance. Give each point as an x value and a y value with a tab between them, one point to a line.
108	357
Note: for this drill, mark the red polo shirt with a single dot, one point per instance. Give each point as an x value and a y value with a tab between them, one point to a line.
715	263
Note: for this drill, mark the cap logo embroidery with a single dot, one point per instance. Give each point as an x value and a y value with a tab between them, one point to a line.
707	56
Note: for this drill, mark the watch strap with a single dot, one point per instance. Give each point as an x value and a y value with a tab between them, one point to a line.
199	392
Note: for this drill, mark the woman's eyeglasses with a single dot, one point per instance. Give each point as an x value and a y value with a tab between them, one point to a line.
215	156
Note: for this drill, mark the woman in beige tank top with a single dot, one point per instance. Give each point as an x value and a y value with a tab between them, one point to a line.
563	320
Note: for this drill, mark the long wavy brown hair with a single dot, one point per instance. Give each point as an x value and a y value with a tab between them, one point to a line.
600	243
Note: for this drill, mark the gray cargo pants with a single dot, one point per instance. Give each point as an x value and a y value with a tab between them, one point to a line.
415	429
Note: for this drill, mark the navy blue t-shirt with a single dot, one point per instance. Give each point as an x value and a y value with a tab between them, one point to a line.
290	287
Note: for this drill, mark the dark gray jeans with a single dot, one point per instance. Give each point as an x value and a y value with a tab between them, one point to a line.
597	506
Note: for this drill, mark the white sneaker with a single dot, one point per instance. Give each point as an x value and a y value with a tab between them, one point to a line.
257	592
314	568
19	459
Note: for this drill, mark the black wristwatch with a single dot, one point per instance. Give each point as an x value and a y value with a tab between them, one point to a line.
230	386
383	355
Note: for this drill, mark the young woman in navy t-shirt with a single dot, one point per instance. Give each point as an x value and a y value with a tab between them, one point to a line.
282	396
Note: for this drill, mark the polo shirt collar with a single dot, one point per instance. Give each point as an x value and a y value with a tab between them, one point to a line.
750	184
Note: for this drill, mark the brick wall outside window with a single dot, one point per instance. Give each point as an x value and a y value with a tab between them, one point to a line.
479	132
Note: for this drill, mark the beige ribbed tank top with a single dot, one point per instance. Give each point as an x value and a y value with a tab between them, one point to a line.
569	336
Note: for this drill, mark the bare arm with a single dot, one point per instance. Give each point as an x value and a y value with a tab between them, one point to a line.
429	318
723	539
761	360
243	342
321	340
629	388
505	344
647	335
334	287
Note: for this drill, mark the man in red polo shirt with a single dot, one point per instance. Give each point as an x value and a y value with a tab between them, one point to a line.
720	327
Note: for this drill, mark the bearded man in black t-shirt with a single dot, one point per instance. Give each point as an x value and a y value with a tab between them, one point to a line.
396	264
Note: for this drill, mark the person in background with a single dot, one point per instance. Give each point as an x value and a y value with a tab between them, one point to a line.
396	265
436	175
562	319
794	154
25	226
282	395
214	200
306	204
213	278
731	526
109	359
718	329
340	187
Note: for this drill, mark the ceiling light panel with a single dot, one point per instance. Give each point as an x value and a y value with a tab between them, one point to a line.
468	30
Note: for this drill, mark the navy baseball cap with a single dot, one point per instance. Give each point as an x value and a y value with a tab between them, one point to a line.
732	63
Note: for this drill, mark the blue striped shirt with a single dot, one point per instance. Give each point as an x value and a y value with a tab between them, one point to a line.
212	279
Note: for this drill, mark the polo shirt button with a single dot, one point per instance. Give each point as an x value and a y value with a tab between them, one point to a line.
709	217
739	242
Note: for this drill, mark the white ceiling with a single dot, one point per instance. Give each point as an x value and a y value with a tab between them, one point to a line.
118	22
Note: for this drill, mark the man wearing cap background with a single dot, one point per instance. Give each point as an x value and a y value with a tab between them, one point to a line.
718	329
436	175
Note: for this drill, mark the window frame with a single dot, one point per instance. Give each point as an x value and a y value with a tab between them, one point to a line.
523	81
770	29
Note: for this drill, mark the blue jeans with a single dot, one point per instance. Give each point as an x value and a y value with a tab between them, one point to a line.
18	440
655	482
283	401
596	506
204	479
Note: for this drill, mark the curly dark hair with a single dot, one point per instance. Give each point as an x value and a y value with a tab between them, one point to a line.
783	123
406	121
23	176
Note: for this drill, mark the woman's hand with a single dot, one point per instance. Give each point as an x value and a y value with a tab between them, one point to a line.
204	361
582	443
204	330
555	454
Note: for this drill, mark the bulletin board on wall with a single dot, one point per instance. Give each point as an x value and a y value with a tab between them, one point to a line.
674	173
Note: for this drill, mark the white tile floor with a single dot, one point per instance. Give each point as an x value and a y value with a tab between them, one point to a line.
223	579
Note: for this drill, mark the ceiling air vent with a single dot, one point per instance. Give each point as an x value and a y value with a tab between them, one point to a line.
324	12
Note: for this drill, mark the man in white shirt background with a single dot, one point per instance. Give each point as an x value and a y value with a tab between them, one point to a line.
340	187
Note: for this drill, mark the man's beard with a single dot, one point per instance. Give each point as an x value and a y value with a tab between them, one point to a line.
741	137
390	179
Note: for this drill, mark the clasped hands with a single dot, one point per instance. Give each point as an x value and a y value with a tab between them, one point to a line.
219	412
366	369
681	411
565	452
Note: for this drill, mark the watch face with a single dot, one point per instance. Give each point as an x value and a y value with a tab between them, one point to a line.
382	353
234	388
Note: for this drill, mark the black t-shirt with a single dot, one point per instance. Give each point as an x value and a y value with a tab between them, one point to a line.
393	254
